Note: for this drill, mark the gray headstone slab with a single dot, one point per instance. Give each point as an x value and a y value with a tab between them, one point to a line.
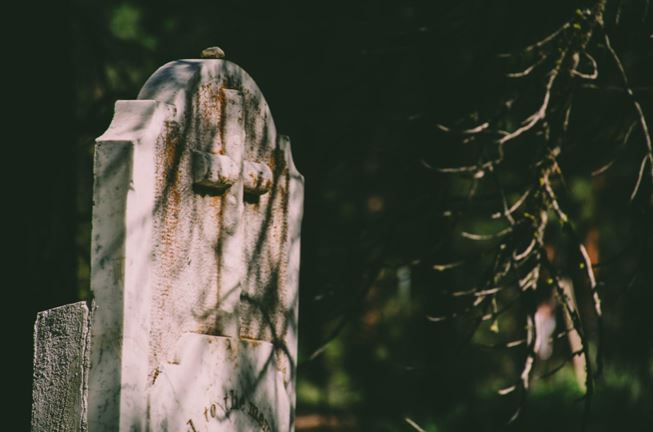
61	344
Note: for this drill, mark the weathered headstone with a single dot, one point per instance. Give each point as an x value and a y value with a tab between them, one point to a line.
195	258
61	360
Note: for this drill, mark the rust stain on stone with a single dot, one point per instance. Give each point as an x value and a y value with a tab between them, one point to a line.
253	342
155	375
172	157
168	192
208	105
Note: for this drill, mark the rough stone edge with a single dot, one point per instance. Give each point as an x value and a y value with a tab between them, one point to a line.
45	387
86	365
295	215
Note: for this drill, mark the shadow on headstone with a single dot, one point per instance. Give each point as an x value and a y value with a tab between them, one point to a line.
195	262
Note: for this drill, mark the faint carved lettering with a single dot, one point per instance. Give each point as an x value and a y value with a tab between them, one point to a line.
233	402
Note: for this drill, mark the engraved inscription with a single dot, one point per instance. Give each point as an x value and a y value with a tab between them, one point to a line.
221	410
191	425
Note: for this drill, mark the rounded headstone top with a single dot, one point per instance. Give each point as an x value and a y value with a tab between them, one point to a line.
212	53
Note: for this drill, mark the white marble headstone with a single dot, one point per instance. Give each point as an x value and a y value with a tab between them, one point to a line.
195	259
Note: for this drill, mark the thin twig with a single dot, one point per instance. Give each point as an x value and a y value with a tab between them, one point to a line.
482	237
640	115
476	293
595	69
608	165
540	114
462	169
472	131
560	366
413	424
528	70
448	266
507	213
542	42
640	176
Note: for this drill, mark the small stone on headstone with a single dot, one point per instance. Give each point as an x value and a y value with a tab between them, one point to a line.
213	53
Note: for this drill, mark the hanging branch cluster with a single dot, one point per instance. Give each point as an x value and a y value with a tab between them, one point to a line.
557	65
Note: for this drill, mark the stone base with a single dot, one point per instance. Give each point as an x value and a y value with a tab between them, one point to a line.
216	383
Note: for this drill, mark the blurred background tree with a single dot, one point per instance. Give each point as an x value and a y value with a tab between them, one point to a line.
377	97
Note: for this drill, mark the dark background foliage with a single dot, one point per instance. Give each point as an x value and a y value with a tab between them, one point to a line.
359	86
